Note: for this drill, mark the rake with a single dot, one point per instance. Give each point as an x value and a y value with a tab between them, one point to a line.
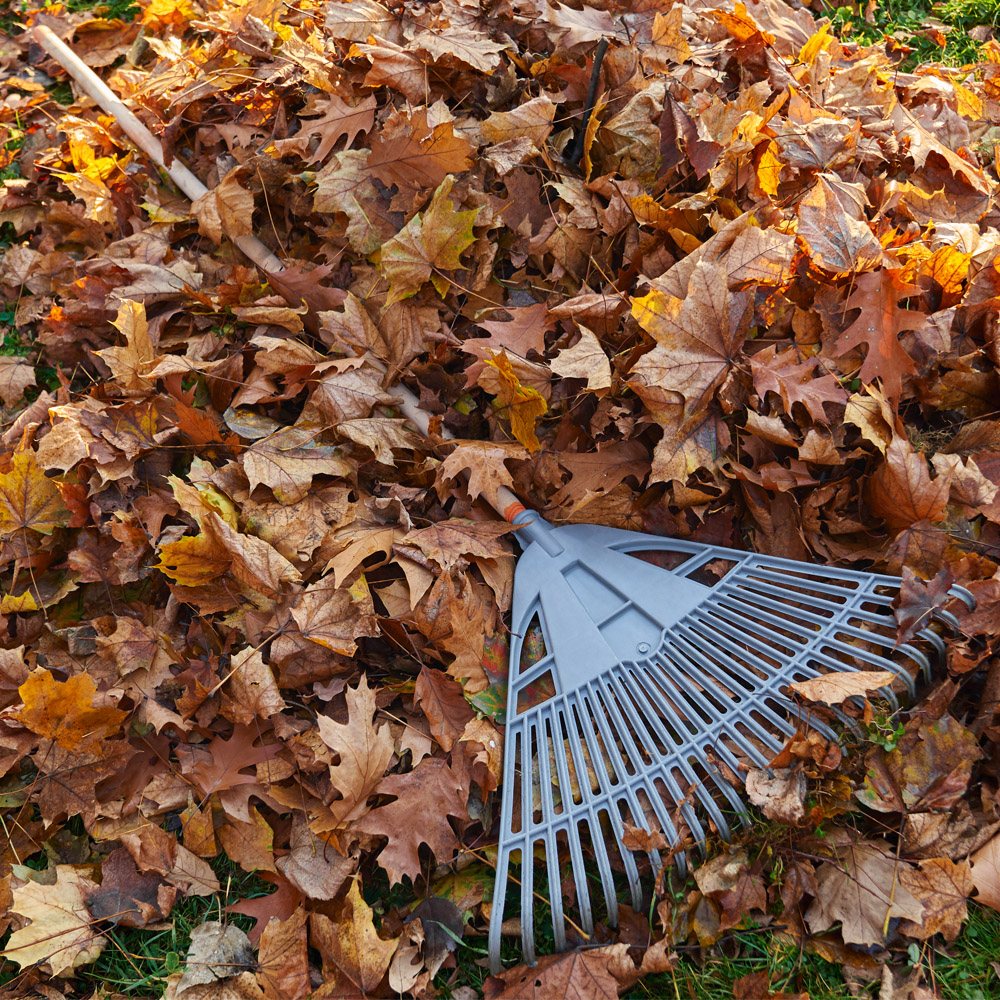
661	670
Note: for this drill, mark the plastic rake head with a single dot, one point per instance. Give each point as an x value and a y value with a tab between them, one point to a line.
661	661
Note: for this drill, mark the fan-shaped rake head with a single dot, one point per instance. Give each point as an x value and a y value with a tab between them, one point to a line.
662	661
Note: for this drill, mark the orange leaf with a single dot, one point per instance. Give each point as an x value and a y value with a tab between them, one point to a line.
64	711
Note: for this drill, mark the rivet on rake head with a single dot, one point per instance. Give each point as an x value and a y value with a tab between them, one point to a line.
642	647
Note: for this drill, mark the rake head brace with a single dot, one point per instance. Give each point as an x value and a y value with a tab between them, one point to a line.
662	660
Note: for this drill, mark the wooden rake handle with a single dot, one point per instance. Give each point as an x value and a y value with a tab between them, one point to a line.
507	505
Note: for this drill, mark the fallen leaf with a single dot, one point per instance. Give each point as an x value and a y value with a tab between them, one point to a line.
60	929
839	685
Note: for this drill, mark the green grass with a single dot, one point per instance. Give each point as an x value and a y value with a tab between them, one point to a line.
136	962
905	20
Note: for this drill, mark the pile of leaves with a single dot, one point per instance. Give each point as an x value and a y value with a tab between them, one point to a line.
750	300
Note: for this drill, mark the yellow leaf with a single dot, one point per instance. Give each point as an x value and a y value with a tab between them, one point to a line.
524	404
129	363
194	560
357	950
968	104
28	498
816	44
168	13
61	930
11	604
64	711
430	242
769	170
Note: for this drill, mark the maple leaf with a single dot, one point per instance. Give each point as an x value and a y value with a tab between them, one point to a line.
863	890
928	769
425	798
313	866
61	930
431	242
126	898
28	498
217	951
353	943
484	462
334	617
15	376
283	959
129	364
447	542
697	337
834	229
586	360
410	153
901	490
523	404
287	460
878	327
364	753
226	210
918	599
65	711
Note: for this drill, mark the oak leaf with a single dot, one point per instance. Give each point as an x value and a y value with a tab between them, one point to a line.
364	753
338	118
442	701
425	798
878	327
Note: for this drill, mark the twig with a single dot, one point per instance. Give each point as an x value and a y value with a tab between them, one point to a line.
95	88
576	151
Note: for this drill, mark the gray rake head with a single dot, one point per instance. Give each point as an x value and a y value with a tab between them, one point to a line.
650	678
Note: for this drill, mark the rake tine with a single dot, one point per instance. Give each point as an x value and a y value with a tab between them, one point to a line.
544	742
555	893
936	641
599	844
528	900
572	834
965	596
948	618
